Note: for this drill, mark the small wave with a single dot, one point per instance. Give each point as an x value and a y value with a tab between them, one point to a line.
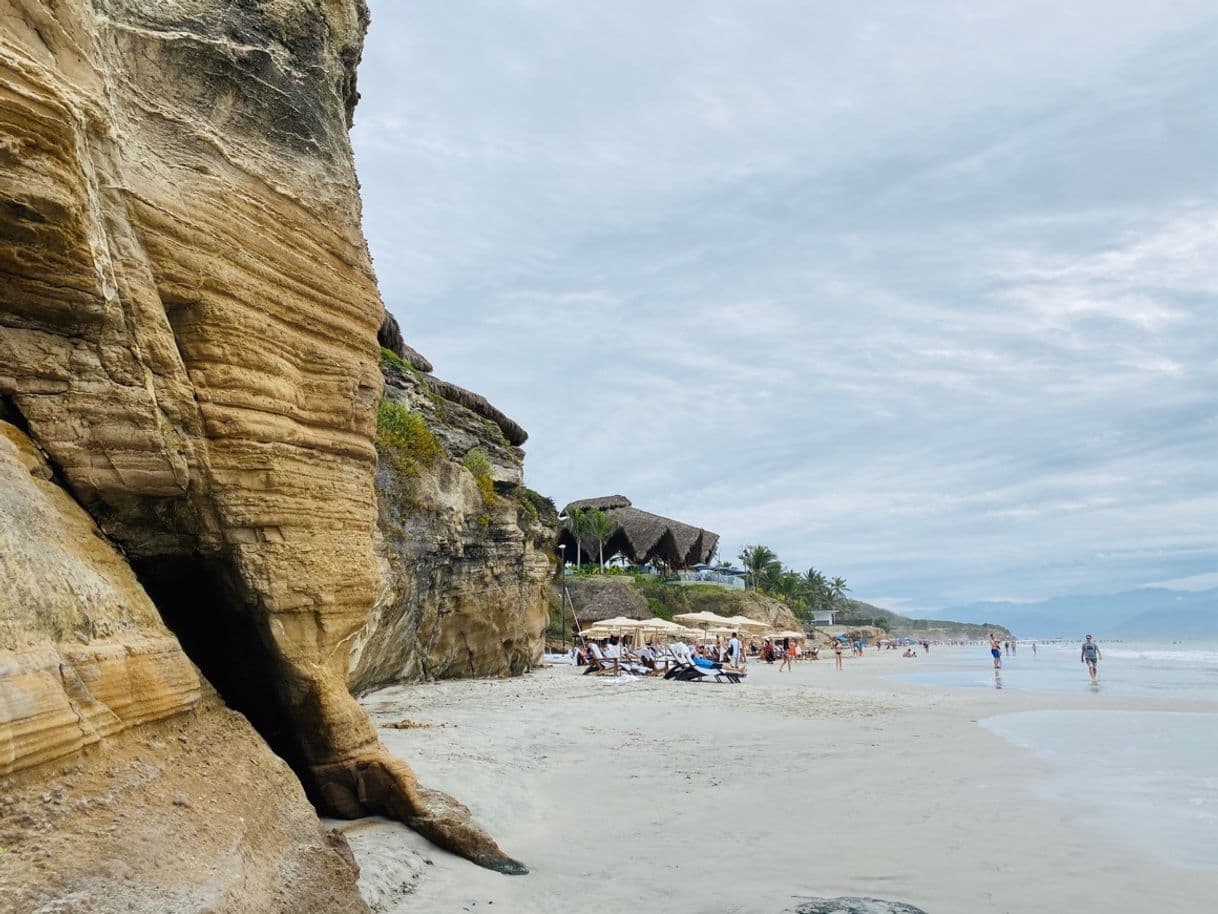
1169	656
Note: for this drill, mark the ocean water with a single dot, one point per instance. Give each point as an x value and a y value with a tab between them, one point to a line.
1186	670
1149	779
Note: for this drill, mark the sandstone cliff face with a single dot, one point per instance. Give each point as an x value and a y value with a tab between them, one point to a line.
95	689
466	583
188	330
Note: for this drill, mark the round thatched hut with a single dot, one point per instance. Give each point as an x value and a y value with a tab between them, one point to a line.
642	537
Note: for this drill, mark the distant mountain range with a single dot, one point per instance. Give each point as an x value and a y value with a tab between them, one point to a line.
1146	611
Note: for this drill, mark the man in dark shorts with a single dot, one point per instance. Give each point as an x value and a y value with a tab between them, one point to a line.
1090	655
995	651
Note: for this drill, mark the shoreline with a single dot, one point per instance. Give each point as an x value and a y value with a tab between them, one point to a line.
716	798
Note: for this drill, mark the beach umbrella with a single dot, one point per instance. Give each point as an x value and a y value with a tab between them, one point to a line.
704	618
621	622
746	622
664	627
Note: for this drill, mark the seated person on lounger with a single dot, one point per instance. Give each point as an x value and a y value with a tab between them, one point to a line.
647	656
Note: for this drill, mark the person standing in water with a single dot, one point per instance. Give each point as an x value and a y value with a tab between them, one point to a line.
1090	655
996	651
1033	648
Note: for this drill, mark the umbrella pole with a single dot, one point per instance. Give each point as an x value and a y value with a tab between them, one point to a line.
577	631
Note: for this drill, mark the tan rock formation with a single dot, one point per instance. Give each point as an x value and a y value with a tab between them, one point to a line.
96	691
188	329
466	579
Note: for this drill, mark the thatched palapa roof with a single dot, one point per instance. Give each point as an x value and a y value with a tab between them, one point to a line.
642	536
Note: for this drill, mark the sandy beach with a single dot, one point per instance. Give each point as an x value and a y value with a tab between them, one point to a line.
696	797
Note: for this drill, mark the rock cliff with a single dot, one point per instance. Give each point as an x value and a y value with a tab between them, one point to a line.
188	333
85	660
465	547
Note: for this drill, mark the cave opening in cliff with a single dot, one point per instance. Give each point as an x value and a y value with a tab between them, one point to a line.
199	601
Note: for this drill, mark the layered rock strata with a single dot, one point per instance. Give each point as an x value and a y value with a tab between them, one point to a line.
188	330
467	568
112	747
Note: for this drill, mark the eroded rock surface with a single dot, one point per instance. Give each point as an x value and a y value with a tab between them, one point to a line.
188	330
466	568
113	748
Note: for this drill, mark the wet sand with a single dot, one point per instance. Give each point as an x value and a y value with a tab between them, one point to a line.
697	797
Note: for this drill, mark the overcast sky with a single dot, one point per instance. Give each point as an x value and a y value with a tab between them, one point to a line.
924	295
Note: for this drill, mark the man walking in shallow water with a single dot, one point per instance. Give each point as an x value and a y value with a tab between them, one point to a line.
1090	655
995	651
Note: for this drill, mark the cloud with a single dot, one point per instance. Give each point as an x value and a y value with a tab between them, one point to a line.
925	298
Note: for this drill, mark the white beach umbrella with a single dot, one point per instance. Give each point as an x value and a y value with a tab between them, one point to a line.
746	622
703	618
622	623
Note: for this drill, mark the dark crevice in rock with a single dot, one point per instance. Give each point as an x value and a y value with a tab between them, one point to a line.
199	600
11	413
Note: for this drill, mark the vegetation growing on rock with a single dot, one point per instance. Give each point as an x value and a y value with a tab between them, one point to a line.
479	464
405	434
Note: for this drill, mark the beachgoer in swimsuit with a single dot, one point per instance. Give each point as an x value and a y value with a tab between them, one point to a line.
837	654
788	654
996	651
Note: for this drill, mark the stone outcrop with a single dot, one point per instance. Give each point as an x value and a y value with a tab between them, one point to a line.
466	561
96	691
852	905
188	331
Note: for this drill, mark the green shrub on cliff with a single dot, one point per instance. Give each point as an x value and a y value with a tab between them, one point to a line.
389	357
405	436
536	506
479	465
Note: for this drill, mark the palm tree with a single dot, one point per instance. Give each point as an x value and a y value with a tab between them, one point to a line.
760	562
788	586
577	523
816	588
600	528
837	589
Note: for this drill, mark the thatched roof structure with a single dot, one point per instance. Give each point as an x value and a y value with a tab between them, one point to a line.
605	598
643	537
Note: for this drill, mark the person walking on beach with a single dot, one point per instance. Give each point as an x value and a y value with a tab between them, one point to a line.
1033	648
837	654
788	655
995	651
1090	655
733	650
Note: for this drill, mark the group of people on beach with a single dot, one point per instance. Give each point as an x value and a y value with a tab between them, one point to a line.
654	656
1089	653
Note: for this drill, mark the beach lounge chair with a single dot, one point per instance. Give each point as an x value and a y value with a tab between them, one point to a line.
695	672
612	666
600	664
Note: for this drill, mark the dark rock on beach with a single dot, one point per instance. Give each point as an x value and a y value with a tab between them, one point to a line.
852	905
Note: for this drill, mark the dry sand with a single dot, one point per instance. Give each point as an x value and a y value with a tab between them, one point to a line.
697	797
